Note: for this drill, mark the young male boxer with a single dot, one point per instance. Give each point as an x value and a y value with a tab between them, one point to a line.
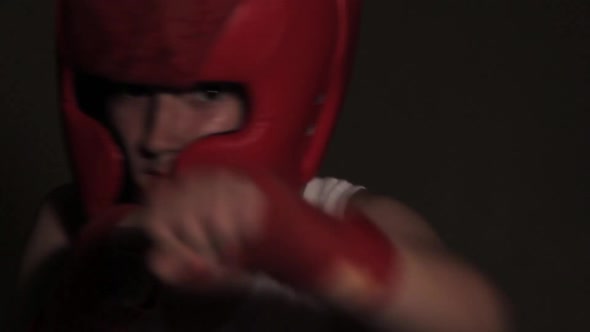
201	124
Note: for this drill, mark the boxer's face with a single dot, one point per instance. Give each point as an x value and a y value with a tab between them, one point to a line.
154	127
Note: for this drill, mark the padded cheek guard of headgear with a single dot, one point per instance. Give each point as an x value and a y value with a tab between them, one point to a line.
288	54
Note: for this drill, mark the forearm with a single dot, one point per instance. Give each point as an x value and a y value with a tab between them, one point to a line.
435	292
431	289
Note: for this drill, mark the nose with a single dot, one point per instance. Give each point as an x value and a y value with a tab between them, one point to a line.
166	131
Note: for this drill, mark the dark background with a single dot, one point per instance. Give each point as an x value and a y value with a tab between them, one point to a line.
473	112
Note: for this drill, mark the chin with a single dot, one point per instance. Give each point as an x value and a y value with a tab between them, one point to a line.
148	181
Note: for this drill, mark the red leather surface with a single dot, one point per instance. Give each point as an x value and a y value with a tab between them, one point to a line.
287	53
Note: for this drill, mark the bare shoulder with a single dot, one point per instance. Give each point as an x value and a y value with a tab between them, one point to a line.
396	219
58	218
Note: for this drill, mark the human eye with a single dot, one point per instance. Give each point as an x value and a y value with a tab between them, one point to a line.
208	93
133	90
212	96
130	92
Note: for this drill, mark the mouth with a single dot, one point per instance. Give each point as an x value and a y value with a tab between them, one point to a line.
156	172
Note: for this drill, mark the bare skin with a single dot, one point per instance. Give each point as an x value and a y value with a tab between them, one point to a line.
199	220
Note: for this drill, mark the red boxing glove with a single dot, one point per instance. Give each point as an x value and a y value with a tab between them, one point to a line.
302	246
309	249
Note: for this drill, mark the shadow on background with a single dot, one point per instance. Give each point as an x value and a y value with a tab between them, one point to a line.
474	113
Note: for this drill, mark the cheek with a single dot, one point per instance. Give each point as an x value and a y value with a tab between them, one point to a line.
128	124
233	115
228	116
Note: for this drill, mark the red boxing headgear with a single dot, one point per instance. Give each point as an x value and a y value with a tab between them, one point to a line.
292	56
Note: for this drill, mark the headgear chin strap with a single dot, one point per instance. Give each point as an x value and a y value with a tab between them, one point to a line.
292	57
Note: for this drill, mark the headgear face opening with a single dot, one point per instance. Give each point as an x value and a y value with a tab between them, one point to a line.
287	54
